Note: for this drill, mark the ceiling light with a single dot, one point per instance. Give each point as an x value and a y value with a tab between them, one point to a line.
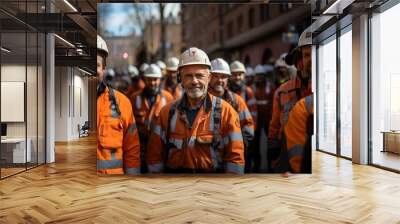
71	6
65	41
86	72
338	6
5	50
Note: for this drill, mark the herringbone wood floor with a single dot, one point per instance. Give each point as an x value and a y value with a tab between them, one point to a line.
69	191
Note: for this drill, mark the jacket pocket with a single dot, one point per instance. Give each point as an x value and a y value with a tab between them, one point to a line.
208	157
111	133
204	139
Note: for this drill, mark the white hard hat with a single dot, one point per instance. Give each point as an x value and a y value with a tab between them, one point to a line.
283	56
259	69
153	71
172	64
161	64
268	68
237	66
305	38
133	71
110	72
126	79
143	67
102	45
194	56
280	63
219	65
249	71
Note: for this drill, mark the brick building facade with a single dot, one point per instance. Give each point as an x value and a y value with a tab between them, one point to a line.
152	39
246	32
120	45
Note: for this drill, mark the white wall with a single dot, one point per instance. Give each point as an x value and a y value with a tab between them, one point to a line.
61	103
16	73
33	126
71	93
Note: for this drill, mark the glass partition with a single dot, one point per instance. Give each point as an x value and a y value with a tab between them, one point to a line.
346	93
327	95
22	89
385	89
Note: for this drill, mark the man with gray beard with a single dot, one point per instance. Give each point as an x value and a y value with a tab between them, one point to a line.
199	133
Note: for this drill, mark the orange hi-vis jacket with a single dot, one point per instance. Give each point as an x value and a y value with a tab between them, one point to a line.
247	95
264	96
285	98
133	91
176	92
207	145
246	120
118	149
144	114
296	132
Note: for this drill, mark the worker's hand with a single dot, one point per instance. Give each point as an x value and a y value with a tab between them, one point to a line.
287	174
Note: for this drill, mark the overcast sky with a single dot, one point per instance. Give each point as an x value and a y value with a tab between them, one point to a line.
118	20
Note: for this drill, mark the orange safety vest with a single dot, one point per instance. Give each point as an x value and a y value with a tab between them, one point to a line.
248	95
133	91
285	98
213	142
128	92
246	120
296	133
144	115
176	92
118	148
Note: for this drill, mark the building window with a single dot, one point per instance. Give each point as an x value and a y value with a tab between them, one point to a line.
327	96
284	8
385	89
264	12
346	94
247	61
240	24
267	54
251	18
230	30
214	39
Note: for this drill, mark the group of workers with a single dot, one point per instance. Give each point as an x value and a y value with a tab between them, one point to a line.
193	115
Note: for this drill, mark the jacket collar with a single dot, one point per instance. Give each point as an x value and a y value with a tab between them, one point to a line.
101	88
183	104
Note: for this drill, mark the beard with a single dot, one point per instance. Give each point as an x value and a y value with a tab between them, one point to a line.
151	91
219	89
237	86
195	92
170	81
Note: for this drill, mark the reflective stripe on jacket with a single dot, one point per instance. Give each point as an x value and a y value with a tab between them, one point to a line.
285	98
246	120
248	96
192	148
144	115
264	96
175	92
118	147
296	132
